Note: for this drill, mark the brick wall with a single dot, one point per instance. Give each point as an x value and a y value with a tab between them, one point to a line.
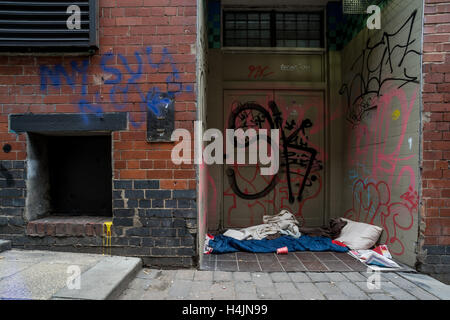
147	47
436	138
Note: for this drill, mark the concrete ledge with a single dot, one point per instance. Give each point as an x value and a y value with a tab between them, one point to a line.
5	245
67	226
105	281
68	122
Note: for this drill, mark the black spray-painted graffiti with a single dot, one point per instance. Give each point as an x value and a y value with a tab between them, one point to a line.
294	148
376	66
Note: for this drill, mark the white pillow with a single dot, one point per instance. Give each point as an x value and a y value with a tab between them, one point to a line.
358	235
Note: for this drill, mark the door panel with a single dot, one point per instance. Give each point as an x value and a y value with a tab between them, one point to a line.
303	114
237	210
248	195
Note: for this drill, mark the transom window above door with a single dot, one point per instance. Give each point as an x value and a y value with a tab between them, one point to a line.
273	29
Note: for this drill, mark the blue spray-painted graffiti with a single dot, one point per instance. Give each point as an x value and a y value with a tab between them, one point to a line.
120	87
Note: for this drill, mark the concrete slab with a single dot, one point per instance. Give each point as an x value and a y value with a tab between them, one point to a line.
36	282
37	256
433	286
9	268
106	280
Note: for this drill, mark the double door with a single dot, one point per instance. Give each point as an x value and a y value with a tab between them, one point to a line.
300	182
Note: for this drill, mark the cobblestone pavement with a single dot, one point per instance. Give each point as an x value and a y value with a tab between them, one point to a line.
153	284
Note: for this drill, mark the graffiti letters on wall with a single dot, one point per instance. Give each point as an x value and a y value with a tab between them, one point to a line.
380	64
382	109
121	78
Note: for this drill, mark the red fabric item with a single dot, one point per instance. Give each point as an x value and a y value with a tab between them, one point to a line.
338	243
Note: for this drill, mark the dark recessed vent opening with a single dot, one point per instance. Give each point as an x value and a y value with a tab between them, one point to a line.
80	175
273	29
42	26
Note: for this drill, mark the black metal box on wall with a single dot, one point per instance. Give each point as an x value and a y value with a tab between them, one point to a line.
160	118
49	26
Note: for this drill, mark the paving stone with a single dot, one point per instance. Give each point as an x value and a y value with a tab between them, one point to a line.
131	294
246	296
285	288
262	279
180	289
354	276
200	296
267	293
352	291
295	296
309	291
201	290
148	274
223	291
330	290
318	277
299	277
363	285
222	276
140	284
399	281
203	275
185	274
380	296
245	287
422	294
429	284
396	292
371	273
280	277
156	295
410	287
242	276
335	276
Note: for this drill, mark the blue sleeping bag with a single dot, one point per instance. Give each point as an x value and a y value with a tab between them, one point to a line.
223	244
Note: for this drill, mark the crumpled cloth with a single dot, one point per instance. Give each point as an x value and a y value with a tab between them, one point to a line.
332	231
223	244
284	223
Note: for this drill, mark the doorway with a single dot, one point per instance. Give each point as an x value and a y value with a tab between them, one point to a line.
300	182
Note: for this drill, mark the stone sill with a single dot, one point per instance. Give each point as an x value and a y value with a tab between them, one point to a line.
67	226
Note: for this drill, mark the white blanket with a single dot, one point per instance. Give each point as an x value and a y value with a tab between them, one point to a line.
284	222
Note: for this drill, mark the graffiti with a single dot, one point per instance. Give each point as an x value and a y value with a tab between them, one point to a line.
121	82
375	67
294	149
381	167
372	204
258	72
374	140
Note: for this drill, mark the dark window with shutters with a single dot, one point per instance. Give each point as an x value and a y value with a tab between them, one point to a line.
42	26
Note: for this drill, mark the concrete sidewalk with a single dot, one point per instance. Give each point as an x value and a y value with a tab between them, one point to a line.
44	275
152	284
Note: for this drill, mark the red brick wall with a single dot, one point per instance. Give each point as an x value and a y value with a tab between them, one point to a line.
127	27
436	127
146	47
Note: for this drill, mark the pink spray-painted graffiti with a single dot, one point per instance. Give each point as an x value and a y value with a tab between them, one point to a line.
371	197
371	144
372	204
380	98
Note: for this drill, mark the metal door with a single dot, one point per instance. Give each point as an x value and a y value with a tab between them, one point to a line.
299	184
